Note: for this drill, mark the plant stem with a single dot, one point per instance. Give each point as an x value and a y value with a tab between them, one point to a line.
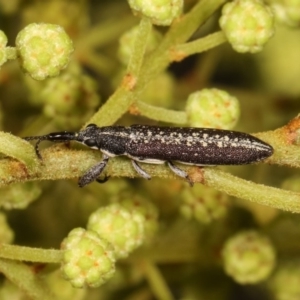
25	278
160	114
247	190
211	41
30	254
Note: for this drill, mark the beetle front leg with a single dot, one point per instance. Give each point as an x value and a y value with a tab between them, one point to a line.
93	173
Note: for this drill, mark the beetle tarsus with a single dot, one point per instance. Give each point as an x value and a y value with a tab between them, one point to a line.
103	180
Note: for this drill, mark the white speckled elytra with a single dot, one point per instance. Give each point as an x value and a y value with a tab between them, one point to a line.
157	145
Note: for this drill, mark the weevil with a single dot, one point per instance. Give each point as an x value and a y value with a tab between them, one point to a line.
158	145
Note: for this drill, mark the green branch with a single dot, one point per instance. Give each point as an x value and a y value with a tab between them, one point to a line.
30	254
25	278
131	88
198	46
159	113
247	190
63	163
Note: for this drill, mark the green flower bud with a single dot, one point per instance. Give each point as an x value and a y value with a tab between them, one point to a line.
9	7
275	57
72	15
286	11
127	41
165	84
248	257
164	194
161	12
6	234
60	94
88	260
203	203
61	289
285	282
70	98
3	42
19	195
3	39
124	277
34	88
122	228
44	50
147	210
10	291
247	24
112	189
212	108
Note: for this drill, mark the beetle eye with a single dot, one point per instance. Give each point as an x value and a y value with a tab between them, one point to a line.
91	125
90	143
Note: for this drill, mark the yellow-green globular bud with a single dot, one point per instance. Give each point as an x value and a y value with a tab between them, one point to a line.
161	12
248	257
19	195
165	84
10	291
9	7
60	94
88	259
203	203
285	282
6	234
44	50
3	42
62	289
286	11
70	98
212	108
127	40
124	229
272	59
247	25
147	210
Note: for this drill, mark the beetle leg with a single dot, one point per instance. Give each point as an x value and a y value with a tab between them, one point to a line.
94	172
36	147
103	180
139	170
179	172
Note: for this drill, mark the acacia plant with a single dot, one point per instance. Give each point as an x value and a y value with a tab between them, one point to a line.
210	63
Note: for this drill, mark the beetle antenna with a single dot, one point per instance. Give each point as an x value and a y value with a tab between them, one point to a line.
63	136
